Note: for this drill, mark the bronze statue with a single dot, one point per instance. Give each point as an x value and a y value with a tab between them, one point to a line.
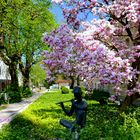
79	107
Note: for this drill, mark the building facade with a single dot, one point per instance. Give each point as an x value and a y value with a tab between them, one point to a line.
5	78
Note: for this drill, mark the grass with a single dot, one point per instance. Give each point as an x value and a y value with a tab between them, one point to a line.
41	122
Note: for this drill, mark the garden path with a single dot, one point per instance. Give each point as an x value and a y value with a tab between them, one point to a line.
7	114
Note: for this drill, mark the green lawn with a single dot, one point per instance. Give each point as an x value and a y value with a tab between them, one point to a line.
41	122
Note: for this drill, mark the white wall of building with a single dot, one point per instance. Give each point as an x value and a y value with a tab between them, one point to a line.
4	74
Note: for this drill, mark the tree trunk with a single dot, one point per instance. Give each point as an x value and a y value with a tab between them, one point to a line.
25	70
26	84
78	81
26	78
14	76
72	82
130	99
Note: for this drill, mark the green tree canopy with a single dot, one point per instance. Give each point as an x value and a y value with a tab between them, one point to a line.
22	24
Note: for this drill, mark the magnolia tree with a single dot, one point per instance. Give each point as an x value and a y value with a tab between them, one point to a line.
63	56
106	48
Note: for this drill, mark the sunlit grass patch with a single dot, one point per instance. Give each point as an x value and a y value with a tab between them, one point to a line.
41	121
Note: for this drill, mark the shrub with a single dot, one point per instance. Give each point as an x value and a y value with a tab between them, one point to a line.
47	84
1	98
25	92
14	96
88	95
64	90
101	96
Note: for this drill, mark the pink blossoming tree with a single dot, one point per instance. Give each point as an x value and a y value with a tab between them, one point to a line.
106	48
62	59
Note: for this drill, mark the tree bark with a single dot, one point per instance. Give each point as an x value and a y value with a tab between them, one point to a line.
130	99
78	80
14	76
72	82
25	70
26	78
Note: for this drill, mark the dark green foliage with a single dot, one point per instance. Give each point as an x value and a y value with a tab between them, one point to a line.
46	84
88	96
1	99
101	96
64	90
104	123
25	92
14	96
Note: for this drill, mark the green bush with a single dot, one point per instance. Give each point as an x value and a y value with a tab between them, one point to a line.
89	96
1	98
64	90
25	92
14	96
13	93
46	84
101	96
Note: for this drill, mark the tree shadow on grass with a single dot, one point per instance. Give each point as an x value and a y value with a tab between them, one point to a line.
44	113
101	123
22	128
100	114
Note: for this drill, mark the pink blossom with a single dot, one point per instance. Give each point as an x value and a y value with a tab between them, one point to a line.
104	48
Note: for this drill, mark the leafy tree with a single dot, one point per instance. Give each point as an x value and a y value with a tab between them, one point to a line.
38	75
9	31
109	44
37	19
21	26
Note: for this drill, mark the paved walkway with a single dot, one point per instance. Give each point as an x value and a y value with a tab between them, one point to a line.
6	115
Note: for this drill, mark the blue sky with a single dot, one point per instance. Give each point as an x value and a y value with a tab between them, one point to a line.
55	9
